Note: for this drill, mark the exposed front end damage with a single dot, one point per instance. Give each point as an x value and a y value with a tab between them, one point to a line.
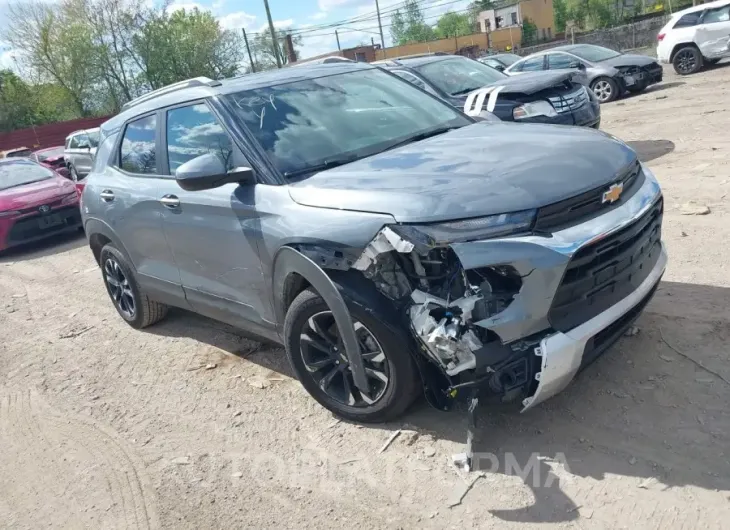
491	313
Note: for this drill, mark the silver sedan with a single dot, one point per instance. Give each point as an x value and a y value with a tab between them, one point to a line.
608	73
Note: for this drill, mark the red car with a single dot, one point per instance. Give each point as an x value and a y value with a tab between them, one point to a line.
35	203
53	158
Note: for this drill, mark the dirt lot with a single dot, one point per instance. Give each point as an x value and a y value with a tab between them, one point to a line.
190	425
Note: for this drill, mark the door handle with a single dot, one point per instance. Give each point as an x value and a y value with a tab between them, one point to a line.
170	201
107	195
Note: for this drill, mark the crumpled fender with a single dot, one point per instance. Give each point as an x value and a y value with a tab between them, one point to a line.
287	261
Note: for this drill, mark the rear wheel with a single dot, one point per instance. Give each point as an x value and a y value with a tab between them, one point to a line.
317	354
687	60
605	89
130	301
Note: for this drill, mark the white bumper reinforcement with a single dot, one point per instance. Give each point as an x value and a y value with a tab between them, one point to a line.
562	353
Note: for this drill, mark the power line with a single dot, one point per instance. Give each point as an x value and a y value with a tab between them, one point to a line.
374	28
366	17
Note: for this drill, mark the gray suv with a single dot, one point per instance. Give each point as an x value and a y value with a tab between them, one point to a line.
391	243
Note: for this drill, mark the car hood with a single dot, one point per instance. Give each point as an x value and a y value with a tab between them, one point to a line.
532	82
628	59
482	169
34	194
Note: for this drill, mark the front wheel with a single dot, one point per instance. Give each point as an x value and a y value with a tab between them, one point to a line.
687	60
317	355
605	89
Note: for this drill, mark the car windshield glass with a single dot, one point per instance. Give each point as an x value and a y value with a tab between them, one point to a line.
49	153
595	54
318	123
459	75
21	172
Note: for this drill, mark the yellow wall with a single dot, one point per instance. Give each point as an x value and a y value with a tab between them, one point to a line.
540	13
501	39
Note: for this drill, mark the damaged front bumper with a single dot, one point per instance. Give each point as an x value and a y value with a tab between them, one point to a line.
563	354
520	314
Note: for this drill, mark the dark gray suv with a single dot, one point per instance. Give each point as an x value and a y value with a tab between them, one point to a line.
390	242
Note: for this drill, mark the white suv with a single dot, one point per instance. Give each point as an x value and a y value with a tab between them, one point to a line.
698	35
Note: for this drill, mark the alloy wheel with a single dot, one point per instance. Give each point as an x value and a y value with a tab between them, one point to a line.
119	288
603	90
686	61
324	357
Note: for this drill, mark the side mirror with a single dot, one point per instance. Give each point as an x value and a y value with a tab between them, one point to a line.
208	171
84	145
498	67
577	64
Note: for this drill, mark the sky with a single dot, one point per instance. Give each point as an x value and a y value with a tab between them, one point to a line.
305	16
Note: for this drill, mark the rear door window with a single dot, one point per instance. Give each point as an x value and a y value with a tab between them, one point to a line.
533	64
713	16
138	149
559	61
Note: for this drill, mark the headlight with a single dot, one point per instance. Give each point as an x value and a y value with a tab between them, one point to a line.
433	235
536	108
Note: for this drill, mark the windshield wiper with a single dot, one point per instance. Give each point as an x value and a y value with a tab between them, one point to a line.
422	136
327	164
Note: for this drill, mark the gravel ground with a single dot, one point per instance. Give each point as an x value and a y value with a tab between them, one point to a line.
191	425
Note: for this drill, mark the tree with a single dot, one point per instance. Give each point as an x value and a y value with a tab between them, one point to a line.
410	26
560	14
185	44
262	49
453	25
529	32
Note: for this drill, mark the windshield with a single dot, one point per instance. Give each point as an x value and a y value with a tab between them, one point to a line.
308	123
20	172
49	153
595	54
459	75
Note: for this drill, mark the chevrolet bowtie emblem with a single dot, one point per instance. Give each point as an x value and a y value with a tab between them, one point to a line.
613	194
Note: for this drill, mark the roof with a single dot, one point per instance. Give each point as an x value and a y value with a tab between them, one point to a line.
235	84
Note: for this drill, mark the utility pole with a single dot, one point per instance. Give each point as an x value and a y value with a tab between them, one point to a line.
337	36
380	25
248	49
274	42
291	55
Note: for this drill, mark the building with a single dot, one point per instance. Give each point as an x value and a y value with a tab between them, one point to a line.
511	13
363	54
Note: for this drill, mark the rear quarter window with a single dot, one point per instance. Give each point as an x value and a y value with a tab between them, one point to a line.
103	154
688	20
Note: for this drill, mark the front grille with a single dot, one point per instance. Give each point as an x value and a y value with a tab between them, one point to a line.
32	227
569	102
603	273
605	338
577	209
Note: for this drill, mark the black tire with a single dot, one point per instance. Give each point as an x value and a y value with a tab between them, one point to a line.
403	385
145	311
605	89
687	60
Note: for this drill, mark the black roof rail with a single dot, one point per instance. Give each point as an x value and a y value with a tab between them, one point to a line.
188	83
